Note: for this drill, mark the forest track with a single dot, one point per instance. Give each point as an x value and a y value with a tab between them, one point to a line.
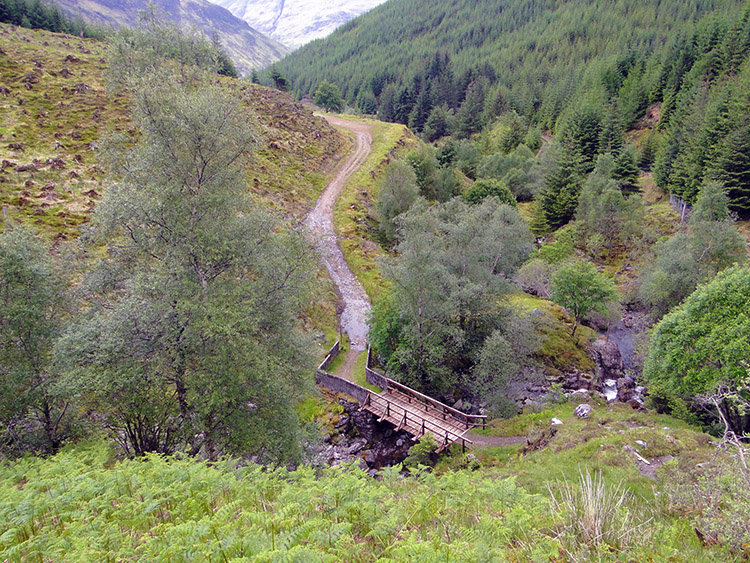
320	223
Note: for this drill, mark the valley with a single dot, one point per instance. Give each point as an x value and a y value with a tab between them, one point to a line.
548	234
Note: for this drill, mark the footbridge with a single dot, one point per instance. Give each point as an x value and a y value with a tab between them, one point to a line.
403	407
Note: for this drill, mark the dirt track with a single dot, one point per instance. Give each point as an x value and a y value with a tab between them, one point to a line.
320	224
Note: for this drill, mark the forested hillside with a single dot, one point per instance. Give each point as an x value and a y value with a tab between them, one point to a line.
574	136
454	67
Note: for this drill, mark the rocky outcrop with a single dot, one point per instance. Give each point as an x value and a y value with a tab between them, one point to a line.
609	364
357	435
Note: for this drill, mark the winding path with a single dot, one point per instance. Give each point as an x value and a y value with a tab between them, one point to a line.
320	223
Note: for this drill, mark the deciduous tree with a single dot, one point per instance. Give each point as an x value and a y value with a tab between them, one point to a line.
329	97
704	344
32	406
188	340
581	289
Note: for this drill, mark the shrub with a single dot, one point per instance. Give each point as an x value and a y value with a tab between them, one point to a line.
421	452
714	498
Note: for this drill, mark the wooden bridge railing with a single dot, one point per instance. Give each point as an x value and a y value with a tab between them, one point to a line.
470	420
413	419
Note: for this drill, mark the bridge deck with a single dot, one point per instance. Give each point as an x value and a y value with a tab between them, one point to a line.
417	418
405	408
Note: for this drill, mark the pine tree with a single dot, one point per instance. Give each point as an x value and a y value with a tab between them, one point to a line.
733	168
559	196
625	172
469	117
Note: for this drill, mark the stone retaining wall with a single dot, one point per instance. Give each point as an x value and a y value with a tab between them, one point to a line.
340	385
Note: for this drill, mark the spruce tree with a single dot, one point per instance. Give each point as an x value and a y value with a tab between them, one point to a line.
733	168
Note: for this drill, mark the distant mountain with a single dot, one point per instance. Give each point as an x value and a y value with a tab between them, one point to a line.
296	22
248	48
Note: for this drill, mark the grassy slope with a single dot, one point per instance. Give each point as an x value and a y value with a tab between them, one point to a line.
58	108
185	509
55	107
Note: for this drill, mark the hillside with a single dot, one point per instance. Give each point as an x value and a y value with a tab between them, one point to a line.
506	505
55	109
510	227
248	48
540	53
297	22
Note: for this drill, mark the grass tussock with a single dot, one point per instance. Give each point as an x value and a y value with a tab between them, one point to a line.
594	516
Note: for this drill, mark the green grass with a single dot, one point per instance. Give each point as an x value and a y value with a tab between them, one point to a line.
86	505
53	119
559	351
57	117
596	443
353	215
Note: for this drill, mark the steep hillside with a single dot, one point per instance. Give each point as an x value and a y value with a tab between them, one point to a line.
54	109
248	48
539	52
619	486
297	22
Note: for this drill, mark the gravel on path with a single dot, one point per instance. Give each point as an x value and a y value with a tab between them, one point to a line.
320	223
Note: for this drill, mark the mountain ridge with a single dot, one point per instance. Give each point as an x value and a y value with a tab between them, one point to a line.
297	22
249	49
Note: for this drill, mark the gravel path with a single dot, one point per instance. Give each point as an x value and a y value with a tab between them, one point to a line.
320	224
490	441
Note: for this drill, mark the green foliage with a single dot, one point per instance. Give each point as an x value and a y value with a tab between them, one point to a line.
596	517
438	124
452	267
581	289
558	199
516	169
398	191
34	14
280	82
532	57
691	257
187	338
705	342
83	506
558	251
469	115
580	133
435	183
649	149
224	64
504	354
507	133
32	407
329	97
714	498
603	210
157	49
422	452
705	81
484	188
625	172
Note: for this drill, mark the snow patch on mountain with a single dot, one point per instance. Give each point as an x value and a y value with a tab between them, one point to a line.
296	22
